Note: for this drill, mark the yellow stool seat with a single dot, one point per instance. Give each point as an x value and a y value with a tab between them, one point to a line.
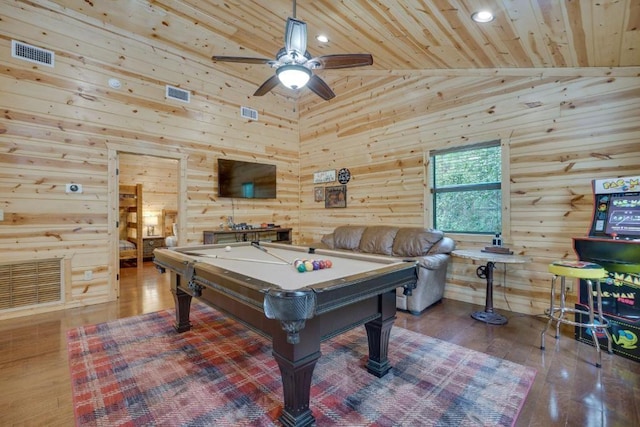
559	311
577	269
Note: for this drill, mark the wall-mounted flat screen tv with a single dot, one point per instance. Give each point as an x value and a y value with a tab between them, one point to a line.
246	180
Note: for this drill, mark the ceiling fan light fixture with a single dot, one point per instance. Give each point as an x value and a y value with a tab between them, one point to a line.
293	76
482	16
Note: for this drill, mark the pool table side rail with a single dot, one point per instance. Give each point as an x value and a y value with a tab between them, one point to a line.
384	259
331	295
188	267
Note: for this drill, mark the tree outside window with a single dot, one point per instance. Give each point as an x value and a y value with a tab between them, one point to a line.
467	189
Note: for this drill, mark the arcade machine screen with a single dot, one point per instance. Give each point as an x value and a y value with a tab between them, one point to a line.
617	215
624	215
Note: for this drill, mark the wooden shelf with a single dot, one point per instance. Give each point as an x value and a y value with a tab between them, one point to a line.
276	235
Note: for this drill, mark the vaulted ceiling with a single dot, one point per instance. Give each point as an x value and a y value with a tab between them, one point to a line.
400	34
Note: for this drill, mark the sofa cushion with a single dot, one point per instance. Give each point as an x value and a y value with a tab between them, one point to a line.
347	236
414	241
378	239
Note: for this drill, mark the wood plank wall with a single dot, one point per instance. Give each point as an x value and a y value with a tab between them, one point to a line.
379	127
57	123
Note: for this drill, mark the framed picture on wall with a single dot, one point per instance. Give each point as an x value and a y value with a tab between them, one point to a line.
318	194
335	197
324	176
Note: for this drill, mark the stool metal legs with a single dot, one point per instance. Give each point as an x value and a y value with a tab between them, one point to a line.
557	313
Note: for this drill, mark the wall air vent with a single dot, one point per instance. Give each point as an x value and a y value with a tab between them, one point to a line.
30	283
249	113
32	54
178	94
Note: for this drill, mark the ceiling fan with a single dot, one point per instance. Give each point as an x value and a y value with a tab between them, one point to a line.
294	65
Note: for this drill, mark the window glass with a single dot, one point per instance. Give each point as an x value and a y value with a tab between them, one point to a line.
467	192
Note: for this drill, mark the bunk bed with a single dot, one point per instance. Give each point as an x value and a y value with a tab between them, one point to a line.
130	223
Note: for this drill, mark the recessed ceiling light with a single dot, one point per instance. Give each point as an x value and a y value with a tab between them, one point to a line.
322	38
482	16
114	83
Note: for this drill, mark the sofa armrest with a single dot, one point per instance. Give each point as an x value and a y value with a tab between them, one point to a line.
446	245
327	242
318	245
432	272
433	262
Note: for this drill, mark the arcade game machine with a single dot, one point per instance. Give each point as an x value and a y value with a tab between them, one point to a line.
614	243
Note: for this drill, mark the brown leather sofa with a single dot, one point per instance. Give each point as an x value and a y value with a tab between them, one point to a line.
430	248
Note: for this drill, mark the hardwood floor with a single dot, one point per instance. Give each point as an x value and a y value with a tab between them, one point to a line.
569	390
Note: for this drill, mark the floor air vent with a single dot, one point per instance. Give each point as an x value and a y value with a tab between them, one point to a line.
32	54
249	113
178	94
30	283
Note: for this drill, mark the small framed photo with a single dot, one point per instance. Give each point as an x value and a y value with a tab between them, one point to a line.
318	194
335	197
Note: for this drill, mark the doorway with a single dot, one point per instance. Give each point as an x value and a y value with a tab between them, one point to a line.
161	177
156	177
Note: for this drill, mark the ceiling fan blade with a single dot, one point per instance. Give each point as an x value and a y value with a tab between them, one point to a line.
243	59
295	36
347	60
267	85
320	88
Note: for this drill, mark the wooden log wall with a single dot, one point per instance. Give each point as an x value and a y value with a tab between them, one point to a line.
563	128
57	124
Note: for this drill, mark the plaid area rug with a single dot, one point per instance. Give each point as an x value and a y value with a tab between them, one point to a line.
139	372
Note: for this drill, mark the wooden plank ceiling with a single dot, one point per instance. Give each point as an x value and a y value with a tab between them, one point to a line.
400	34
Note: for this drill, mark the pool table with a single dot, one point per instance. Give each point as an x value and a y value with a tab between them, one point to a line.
257	284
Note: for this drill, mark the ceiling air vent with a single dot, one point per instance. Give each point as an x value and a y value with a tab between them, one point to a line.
249	113
178	94
31	53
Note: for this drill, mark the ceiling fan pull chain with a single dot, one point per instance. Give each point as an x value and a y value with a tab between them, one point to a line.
294	8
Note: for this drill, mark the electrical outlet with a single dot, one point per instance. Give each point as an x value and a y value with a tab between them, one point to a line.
88	275
568	286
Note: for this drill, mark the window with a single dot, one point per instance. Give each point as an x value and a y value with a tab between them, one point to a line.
467	188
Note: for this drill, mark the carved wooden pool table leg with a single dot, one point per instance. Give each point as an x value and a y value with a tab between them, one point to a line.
378	333
296	385
183	308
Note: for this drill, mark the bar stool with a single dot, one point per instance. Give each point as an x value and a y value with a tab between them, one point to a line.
592	273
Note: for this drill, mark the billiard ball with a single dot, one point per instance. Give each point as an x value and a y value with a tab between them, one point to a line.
308	265
328	263
227	248
301	268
